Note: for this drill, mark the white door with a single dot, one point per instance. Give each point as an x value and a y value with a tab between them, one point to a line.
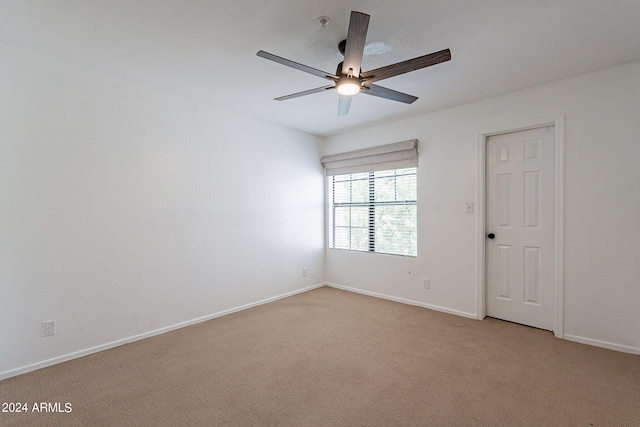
520	177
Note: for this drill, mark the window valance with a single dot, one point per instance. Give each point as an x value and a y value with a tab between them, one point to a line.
398	155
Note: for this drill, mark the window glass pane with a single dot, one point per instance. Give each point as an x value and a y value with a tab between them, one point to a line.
360	238
360	216
360	190
391	172
342	216
341	178
406	187
358	176
341	237
385	189
396	231
342	192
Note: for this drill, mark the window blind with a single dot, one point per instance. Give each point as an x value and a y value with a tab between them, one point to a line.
398	155
375	211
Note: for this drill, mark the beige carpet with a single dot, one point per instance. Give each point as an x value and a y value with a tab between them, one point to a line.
334	358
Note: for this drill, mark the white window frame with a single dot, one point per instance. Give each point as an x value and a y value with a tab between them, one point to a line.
372	205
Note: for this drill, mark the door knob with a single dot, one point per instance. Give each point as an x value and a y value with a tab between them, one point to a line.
491	236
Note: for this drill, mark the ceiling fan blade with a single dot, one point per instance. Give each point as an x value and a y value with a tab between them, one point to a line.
297	66
343	105
356	36
303	93
383	92
407	66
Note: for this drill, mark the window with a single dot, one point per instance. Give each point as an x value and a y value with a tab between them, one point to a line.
374	211
373	198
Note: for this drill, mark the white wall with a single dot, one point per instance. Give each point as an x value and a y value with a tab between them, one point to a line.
602	204
125	210
119	218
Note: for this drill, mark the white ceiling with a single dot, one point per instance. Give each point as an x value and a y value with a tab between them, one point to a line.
206	49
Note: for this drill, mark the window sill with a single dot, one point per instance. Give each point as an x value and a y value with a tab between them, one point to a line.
372	252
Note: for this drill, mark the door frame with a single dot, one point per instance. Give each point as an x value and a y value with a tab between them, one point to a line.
558	263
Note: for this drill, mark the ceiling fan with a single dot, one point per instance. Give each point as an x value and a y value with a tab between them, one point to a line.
349	78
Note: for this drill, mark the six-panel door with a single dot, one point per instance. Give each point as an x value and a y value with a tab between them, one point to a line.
520	177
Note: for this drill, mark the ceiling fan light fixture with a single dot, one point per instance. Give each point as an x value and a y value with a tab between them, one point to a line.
348	86
353	81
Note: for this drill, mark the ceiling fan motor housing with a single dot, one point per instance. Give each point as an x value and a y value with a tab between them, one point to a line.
351	81
341	46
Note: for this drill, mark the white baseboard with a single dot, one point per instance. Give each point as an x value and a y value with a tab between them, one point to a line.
603	344
582	340
117	343
404	301
66	357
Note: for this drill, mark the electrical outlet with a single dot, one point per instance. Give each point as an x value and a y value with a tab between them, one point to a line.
305	272
310	271
426	284
48	328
